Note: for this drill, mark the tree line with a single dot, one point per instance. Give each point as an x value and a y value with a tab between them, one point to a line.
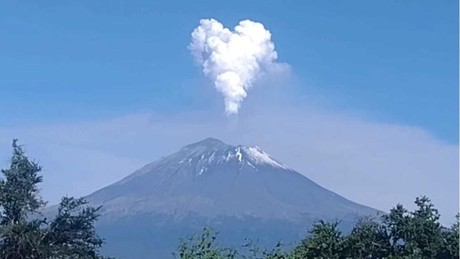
400	234
26	234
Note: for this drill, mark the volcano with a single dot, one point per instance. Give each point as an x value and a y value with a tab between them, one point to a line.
239	190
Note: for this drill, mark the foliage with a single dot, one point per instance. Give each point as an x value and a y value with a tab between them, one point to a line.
25	234
417	234
450	240
368	239
325	241
255	252
278	253
400	234
203	246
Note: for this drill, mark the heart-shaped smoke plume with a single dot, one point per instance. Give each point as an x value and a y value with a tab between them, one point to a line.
233	59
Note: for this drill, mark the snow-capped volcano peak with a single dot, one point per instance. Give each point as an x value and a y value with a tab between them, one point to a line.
212	156
211	182
258	156
211	151
212	179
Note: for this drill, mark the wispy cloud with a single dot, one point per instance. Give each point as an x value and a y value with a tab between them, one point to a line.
377	164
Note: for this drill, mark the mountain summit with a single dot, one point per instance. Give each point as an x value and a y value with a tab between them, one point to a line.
210	181
211	152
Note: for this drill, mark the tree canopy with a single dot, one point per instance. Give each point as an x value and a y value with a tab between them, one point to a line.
25	233
400	234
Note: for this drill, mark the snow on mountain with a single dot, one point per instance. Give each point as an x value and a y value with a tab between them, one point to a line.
211	179
258	156
242	191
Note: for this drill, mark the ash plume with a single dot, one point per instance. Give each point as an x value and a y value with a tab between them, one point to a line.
233	60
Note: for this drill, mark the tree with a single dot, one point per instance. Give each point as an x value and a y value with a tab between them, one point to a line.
450	241
19	198
367	240
278	253
72	232
204	246
419	234
400	234
24	234
325	242
425	233
396	224
255	252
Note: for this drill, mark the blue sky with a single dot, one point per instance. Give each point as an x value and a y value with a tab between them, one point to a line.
97	89
65	61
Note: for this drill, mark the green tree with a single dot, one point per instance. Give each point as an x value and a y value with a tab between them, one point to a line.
368	239
18	199
325	242
278	253
425	233
418	234
450	241
396	224
24	234
400	234
255	252
72	232
204	246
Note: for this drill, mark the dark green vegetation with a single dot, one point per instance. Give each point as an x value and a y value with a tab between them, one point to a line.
24	233
400	234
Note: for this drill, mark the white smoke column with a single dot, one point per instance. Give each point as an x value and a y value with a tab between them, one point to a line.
233	59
